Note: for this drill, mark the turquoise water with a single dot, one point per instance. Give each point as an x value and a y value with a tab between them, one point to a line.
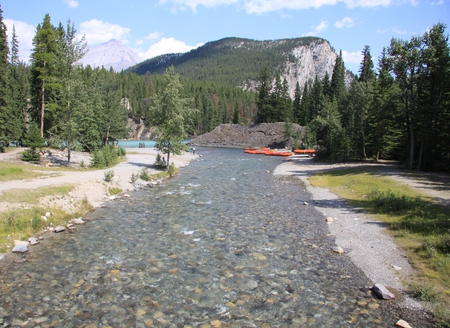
135	143
223	244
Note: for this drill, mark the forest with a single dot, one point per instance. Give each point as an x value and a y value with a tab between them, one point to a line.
398	110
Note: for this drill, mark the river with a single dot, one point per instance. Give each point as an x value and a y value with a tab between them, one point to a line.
224	244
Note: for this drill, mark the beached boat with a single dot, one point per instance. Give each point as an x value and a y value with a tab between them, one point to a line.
304	151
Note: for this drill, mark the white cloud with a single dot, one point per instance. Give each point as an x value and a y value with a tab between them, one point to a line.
97	31
382	31
345	22
24	33
395	29
264	6
71	3
352	57
153	36
317	29
167	46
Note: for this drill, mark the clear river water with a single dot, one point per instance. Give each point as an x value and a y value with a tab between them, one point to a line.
224	244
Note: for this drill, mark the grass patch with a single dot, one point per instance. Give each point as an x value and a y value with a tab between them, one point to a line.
31	196
420	226
114	191
20	224
12	171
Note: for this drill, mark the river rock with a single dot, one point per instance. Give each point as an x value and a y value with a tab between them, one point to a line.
59	229
338	249
78	221
403	324
33	241
382	292
20	249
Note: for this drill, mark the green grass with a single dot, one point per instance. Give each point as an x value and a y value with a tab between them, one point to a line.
31	196
11	171
20	224
419	225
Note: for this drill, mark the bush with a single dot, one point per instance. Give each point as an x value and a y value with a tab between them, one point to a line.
30	155
108	175
389	202
160	161
134	177
172	169
144	175
106	156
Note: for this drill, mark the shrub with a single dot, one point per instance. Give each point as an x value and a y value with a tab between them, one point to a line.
30	155
108	175
172	169
144	175
105	157
390	202
134	177
160	161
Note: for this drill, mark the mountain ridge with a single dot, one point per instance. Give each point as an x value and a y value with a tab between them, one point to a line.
239	61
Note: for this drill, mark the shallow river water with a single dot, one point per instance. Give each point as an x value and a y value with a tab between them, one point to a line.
225	244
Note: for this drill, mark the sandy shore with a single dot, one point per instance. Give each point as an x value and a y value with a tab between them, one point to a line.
88	184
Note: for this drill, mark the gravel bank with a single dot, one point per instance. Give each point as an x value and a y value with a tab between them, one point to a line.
363	239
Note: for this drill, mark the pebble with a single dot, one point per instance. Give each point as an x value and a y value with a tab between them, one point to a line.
338	249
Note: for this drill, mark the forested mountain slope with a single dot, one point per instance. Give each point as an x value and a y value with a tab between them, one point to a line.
238	61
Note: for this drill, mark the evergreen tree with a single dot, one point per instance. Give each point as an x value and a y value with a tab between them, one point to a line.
5	96
263	102
170	114
383	118
70	52
405	59
297	104
44	84
337	85
434	98
366	72
19	85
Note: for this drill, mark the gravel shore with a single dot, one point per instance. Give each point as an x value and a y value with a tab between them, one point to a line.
363	239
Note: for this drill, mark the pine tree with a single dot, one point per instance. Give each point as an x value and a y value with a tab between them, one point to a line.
44	83
5	95
70	52
19	86
337	85
263	101
366	72
297	103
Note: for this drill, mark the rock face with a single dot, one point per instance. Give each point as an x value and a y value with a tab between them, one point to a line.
257	135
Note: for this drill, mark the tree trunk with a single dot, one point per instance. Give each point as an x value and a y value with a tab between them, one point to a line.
42	109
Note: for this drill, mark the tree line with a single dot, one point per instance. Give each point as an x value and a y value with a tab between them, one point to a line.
399	110
86	108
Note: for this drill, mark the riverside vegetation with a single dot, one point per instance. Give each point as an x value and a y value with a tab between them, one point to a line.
419	225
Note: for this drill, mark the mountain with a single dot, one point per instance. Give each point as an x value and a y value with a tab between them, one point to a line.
238	61
111	54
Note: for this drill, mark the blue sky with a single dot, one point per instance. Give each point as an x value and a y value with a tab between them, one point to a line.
156	27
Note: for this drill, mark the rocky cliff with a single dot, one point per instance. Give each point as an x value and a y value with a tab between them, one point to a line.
257	135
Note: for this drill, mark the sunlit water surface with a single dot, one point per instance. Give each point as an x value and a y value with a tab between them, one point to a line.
225	244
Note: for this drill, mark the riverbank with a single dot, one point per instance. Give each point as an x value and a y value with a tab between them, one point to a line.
364	240
90	185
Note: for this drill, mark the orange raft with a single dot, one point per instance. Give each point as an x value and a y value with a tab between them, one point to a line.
304	151
267	151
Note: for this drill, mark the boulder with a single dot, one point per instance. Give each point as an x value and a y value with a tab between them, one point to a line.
382	292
